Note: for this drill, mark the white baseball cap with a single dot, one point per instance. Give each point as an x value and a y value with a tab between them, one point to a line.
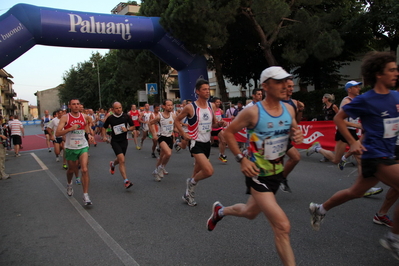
274	72
351	84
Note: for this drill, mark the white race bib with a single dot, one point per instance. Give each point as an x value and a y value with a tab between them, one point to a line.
275	148
205	127
391	127
76	139
118	129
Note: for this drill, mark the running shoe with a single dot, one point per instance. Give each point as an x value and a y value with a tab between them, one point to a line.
57	159
78	181
153	155
160	171
156	175
215	218
65	166
383	219
324	160
316	218
95	144
69	190
312	148
5	177
164	170
284	186
391	244
111	167
128	184
341	164
223	158
138	147
49	150
17	155
86	199
189	200
177	147
373	191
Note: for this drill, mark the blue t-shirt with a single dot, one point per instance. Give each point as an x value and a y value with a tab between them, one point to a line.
379	115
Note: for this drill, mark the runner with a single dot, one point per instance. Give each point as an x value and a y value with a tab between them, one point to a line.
378	111
57	141
44	123
165	122
155	114
134	115
293	154
120	124
145	119
17	133
216	103
181	142
201	119
74	125
269	124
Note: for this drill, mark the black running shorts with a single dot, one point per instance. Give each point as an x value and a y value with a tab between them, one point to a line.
168	140
338	135
119	146
370	166
197	147
264	183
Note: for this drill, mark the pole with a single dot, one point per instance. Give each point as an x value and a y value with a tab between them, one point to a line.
99	87
159	74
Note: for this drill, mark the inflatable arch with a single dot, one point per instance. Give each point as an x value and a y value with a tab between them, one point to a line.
24	25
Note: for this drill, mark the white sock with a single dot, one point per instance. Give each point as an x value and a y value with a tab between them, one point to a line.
317	149
343	158
322	210
193	181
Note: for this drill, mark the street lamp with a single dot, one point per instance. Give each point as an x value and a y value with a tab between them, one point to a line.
98	76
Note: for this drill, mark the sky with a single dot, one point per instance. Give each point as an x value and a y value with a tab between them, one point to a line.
42	67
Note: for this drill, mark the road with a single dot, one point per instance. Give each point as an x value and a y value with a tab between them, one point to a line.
149	224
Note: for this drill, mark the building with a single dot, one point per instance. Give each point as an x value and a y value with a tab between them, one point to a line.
48	100
33	112
7	103
126	9
22	111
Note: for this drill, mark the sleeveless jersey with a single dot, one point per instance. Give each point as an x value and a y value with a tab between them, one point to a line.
268	140
200	125
156	126
166	125
350	119
46	120
290	102
146	117
135	117
218	114
329	112
75	139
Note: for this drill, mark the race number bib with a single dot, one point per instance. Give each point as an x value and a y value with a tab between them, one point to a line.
275	148
77	139
118	129
204	127
391	127
135	117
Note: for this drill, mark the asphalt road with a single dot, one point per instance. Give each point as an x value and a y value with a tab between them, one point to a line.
149	224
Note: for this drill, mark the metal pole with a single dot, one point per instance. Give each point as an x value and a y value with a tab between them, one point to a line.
99	87
159	74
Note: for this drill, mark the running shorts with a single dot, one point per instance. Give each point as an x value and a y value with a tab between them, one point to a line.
264	183
16	139
119	146
197	147
168	140
214	133
58	140
338	135
74	155
370	166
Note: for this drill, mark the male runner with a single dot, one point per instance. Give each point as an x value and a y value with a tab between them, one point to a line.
145	119
120	124
44	123
74	125
201	119
269	125
165	123
134	115
57	141
155	114
378	110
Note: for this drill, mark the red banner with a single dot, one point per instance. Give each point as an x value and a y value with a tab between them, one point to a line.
313	131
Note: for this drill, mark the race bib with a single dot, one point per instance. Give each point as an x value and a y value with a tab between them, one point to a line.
135	117
118	129
391	127
76	139
205	127
275	148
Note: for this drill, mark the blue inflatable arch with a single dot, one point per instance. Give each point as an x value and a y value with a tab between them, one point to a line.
24	25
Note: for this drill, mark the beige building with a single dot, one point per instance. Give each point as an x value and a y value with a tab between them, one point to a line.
127	9
22	110
33	112
7	103
48	100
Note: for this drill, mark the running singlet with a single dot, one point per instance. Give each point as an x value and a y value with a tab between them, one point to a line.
218	114
200	125
379	114
46	120
290	102
135	117
268	140
156	126
350	119
53	125
166	125
75	139
329	112
146	118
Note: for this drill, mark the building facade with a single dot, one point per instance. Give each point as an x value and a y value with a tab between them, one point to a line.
48	100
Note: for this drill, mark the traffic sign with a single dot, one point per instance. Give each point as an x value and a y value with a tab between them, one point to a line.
151	88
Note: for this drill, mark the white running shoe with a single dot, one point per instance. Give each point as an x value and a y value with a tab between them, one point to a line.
316	217
312	148
69	190
86	199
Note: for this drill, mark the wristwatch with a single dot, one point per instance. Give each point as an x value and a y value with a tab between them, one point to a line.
239	157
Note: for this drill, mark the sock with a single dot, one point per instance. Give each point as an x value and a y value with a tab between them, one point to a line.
220	212
317	149
85	194
193	181
322	210
126	180
343	158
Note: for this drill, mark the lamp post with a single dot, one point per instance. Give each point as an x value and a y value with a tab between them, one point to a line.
98	76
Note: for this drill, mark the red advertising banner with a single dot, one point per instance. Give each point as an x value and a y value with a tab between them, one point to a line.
313	131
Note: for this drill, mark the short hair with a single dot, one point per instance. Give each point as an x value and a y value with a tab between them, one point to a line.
155	105
74	99
214	99
373	64
239	102
200	82
166	100
255	91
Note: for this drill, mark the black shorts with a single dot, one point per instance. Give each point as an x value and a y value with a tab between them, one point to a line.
197	147
338	135
46	132
397	152
119	146
264	183
137	128
57	140
370	166
214	133
16	139
168	140
289	146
